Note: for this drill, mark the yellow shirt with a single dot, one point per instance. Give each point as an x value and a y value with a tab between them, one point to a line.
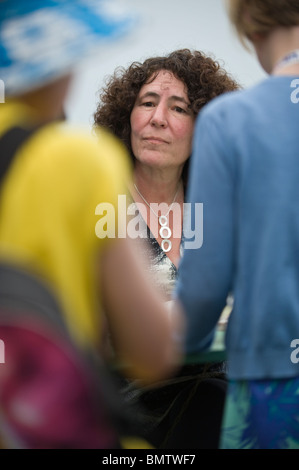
47	210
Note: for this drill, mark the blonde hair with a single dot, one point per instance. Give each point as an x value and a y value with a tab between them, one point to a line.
261	16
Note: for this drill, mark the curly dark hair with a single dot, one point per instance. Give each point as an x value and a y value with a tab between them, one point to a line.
203	77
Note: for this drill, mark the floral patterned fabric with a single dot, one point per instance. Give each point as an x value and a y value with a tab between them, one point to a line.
261	414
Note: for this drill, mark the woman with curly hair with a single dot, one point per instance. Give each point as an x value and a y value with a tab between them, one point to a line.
152	107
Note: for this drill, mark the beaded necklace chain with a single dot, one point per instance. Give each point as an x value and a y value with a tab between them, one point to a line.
289	59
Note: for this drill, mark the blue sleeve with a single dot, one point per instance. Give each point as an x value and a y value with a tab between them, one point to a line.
206	272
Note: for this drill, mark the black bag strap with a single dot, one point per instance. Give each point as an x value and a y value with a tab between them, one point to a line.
9	144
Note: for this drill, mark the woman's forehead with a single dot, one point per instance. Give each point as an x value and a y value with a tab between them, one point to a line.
164	80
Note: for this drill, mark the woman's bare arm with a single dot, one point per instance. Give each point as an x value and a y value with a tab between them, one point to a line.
144	335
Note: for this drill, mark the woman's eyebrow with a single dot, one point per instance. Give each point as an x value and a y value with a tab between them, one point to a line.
179	98
149	94
152	94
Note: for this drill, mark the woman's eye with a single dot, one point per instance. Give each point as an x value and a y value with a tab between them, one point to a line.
179	109
147	104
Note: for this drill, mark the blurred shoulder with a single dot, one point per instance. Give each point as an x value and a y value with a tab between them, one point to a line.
79	138
69	145
235	100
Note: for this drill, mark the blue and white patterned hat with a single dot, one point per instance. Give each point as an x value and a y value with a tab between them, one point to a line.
40	40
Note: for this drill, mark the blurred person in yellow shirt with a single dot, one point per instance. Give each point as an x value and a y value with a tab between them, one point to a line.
48	200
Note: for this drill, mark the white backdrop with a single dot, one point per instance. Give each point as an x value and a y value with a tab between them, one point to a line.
163	26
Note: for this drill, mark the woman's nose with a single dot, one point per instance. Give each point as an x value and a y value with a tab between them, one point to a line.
159	117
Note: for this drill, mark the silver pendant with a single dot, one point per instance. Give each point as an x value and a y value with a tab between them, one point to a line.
168	232
168	248
166	244
163	220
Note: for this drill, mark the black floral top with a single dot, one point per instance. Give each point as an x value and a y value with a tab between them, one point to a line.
158	410
161	268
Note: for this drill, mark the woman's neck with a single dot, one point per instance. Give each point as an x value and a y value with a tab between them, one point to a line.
279	45
152	188
158	185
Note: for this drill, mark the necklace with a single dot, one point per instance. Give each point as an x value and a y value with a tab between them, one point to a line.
289	59
166	244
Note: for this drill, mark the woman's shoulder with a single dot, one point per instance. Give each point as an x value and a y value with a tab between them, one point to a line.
71	149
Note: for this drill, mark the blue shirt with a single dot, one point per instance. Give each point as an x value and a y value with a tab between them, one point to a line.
245	171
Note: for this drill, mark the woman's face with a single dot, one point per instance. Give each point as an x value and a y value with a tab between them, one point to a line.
162	123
